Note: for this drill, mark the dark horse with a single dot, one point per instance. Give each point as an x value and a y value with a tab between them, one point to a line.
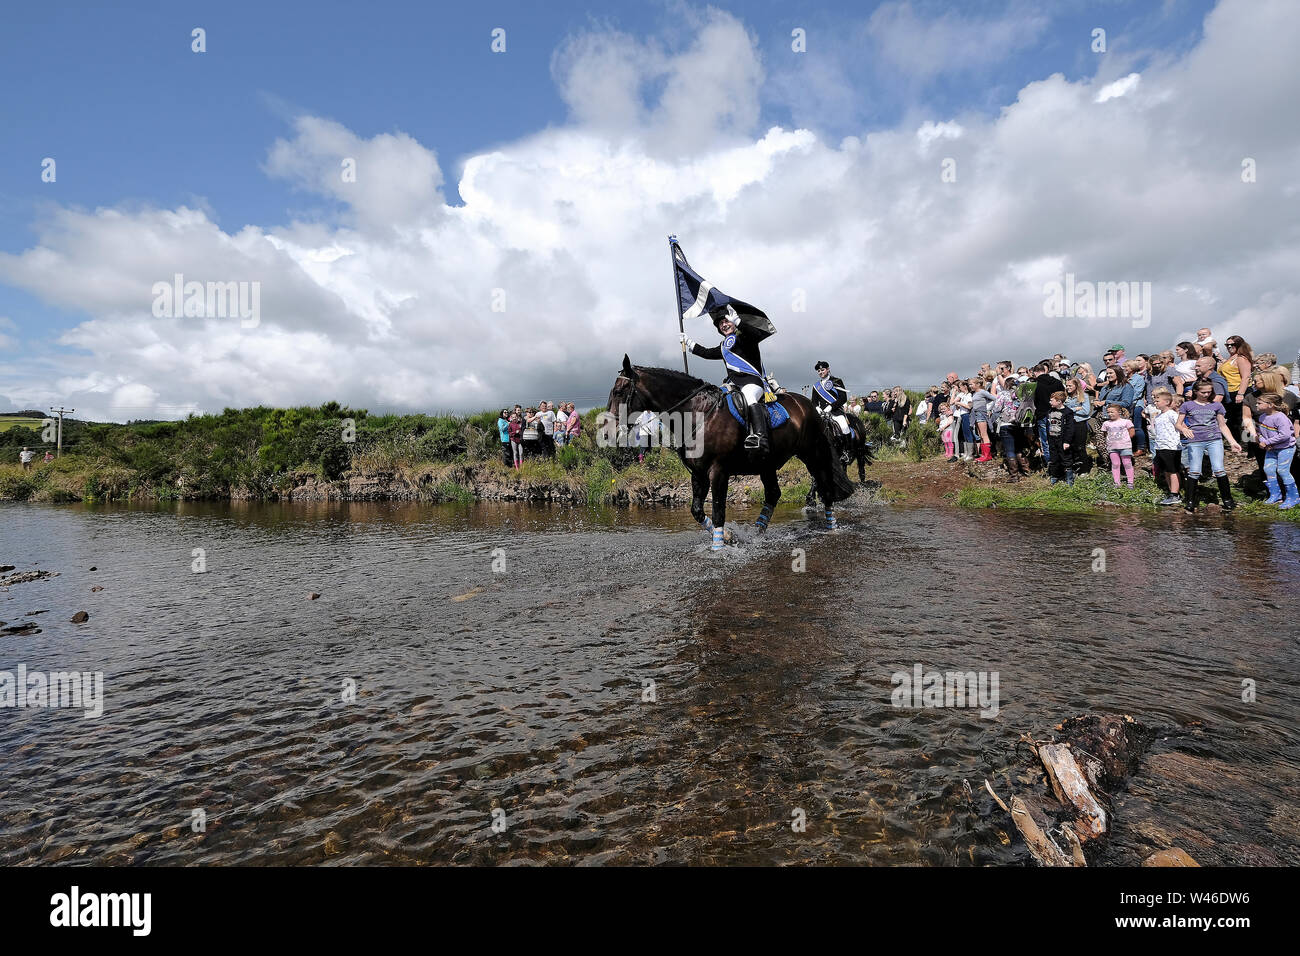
858	448
721	446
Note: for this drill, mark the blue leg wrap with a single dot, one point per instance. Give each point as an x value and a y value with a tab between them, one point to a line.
763	517
717	540
830	520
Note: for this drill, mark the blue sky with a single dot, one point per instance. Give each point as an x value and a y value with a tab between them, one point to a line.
135	119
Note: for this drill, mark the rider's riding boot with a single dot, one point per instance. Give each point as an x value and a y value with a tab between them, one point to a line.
757	437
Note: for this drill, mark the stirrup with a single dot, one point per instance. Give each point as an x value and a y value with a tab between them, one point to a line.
752	440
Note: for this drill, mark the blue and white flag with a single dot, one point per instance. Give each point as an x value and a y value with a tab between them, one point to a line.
697	296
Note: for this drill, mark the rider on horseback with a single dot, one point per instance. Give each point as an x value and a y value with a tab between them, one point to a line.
739	352
829	395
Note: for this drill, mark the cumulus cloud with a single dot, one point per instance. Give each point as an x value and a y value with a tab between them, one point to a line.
556	262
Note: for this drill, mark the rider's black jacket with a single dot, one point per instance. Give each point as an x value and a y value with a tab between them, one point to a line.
836	386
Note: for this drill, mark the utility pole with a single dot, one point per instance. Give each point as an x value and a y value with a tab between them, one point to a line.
61	410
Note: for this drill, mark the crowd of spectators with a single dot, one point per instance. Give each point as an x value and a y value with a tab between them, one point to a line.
1180	410
536	432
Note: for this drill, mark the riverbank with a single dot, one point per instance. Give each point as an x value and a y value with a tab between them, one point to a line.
660	480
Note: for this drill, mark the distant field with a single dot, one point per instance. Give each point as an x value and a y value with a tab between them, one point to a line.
9	421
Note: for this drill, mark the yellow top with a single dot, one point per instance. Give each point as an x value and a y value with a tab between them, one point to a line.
1231	374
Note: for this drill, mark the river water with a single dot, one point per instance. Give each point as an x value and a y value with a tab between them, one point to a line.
613	693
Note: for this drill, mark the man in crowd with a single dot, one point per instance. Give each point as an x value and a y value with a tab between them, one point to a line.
1045	386
1205	372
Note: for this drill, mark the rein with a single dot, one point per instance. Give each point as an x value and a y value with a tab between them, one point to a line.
705	387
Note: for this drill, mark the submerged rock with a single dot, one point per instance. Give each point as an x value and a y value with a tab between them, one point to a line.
23	577
1171	857
81	617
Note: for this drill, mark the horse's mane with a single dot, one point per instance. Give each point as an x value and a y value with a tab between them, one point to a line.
671	377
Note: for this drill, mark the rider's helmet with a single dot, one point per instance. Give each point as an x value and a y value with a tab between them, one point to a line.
821	365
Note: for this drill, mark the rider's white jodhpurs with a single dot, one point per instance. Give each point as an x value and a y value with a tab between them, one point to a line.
842	422
753	393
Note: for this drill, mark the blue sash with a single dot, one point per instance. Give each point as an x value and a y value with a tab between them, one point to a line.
827	390
734	361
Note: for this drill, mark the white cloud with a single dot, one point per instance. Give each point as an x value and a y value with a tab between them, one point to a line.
951	42
389	304
1121	87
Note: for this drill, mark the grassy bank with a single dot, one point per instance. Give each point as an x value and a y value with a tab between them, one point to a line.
337	452
332	452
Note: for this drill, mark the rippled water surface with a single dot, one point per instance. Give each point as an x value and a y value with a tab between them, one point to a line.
619	695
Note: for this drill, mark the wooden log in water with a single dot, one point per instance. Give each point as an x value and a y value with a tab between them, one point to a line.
1071	788
1041	846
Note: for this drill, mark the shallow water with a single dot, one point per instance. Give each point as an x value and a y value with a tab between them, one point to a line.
527	692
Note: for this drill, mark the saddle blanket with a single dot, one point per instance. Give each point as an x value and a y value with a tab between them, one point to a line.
776	413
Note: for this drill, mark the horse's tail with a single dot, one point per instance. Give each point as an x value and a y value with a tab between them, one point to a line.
841	486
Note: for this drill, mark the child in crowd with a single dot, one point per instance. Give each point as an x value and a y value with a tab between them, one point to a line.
1167	446
1277	436
1005	414
1119	443
1060	438
946	423
1201	420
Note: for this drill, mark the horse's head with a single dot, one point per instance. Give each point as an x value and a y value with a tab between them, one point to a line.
628	389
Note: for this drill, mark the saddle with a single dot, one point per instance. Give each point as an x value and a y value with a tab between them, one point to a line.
776	413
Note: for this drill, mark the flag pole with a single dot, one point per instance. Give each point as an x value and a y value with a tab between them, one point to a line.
677	293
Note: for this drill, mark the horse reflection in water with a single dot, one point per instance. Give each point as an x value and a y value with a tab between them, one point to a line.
721	451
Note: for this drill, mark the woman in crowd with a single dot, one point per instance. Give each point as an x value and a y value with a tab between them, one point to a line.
516	439
575	423
1201	421
899	411
532	432
1134	370
1236	371
959	399
1185	356
1078	402
980	398
503	432
1160	375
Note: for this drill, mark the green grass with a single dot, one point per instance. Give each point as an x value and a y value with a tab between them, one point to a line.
8	421
1093	492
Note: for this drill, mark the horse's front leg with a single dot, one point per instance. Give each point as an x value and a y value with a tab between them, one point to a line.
718	489
771	495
